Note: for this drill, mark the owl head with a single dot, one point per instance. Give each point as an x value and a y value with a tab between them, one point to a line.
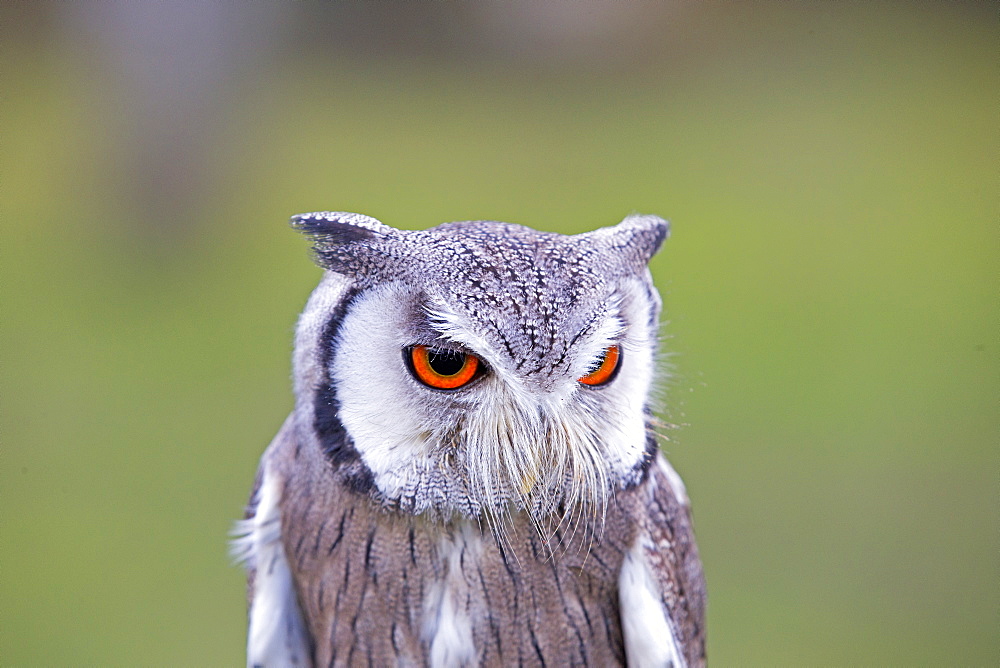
480	368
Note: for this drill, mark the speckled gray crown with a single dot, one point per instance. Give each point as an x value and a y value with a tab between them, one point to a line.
363	247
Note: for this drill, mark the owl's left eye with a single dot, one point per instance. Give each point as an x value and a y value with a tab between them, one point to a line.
605	369
442	369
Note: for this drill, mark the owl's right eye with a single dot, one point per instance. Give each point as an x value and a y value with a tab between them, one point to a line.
605	369
442	369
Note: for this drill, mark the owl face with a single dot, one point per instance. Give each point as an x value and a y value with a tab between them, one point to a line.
481	368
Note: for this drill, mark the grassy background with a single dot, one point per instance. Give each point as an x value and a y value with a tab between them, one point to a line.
831	293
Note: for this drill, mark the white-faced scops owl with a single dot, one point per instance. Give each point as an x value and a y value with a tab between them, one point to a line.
470	475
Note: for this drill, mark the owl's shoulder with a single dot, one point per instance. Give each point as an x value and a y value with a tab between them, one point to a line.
276	633
661	584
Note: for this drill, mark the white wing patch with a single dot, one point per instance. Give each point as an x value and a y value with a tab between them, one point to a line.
649	639
277	635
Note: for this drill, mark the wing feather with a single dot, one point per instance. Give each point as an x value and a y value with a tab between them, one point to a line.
276	635
661	585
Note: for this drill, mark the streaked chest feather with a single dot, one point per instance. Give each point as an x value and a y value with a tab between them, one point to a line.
402	590
341	581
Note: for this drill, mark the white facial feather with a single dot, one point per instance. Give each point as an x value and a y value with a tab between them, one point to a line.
506	439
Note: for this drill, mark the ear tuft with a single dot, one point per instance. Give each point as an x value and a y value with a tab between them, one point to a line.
338	227
345	242
636	239
643	233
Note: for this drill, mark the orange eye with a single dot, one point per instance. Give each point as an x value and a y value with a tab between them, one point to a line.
442	369
604	370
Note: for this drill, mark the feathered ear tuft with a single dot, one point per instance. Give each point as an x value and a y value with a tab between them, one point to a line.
339	227
637	238
340	239
644	233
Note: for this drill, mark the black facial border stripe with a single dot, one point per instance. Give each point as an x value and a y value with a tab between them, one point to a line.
333	438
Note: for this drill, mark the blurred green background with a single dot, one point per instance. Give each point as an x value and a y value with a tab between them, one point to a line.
831	287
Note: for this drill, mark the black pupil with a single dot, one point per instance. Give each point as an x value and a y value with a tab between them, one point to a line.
446	362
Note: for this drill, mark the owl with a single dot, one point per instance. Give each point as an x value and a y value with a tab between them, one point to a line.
470	475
